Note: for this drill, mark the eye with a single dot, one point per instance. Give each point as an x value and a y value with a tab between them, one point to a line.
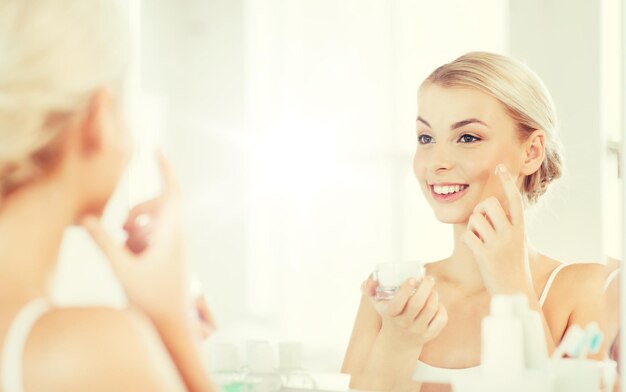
467	138
424	139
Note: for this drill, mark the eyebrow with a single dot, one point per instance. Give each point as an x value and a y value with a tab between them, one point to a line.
456	125
466	122
424	121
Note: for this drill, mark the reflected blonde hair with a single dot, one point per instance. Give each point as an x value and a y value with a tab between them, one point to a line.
525	98
54	54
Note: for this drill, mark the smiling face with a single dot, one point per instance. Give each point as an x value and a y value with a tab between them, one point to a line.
462	135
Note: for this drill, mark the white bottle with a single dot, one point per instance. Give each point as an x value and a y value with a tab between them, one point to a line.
226	368
261	375
535	350
502	353
292	373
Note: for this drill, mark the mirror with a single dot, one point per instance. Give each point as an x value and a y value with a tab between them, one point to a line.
291	125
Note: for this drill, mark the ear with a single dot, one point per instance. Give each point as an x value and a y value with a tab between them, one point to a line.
534	152
94	125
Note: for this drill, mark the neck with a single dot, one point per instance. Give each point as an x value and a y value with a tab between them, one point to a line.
32	222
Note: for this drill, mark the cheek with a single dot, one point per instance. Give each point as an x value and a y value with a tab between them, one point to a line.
478	173
476	163
419	165
420	169
481	171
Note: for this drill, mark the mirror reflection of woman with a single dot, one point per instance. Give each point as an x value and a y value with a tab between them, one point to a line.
63	148
487	148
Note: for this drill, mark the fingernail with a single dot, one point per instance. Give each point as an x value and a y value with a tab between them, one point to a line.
142	220
412	282
432	279
500	168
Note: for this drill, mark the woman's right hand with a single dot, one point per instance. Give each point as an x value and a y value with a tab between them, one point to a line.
414	313
151	265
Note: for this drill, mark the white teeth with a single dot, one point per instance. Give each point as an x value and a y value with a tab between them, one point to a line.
447	189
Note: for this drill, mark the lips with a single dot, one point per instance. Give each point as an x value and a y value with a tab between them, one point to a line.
448	192
448	189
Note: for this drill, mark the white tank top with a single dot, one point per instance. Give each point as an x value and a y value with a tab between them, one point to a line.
611	278
431	374
14	342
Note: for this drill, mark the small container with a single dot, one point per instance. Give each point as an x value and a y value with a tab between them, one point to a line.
292	374
261	375
530	380
390	276
609	375
226	368
577	375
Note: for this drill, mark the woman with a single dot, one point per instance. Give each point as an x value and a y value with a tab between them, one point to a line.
486	148
63	147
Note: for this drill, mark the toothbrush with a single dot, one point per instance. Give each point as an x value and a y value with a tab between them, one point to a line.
592	340
571	343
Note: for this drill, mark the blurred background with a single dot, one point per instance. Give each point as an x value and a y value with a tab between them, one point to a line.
291	126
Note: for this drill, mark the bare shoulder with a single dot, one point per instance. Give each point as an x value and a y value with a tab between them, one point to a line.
575	297
569	279
583	290
583	275
578	284
579	290
97	349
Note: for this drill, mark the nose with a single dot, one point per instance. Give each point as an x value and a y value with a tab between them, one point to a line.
441	158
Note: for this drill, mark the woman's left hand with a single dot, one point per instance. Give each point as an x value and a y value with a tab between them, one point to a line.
498	240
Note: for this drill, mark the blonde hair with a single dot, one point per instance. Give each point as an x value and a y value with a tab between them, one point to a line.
525	98
54	54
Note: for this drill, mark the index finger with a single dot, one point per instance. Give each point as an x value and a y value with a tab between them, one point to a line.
170	183
513	196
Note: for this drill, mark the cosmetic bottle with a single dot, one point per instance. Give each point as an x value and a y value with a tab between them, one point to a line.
292	374
226	368
261	375
513	352
502	351
535	350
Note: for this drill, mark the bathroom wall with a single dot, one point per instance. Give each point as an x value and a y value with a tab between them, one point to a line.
575	47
